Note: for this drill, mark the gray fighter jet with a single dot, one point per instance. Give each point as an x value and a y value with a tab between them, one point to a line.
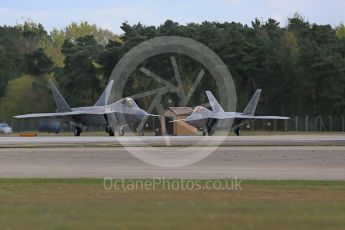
207	120
115	116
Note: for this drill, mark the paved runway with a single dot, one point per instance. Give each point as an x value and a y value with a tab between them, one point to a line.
278	140
323	158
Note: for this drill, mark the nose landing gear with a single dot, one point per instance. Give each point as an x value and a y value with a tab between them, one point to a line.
121	132
204	132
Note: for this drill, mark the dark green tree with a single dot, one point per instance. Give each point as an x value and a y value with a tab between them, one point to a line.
38	63
79	79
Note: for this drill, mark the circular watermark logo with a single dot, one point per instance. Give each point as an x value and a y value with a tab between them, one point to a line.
166	155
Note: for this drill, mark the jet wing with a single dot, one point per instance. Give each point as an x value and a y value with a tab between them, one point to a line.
153	115
271	117
62	114
242	116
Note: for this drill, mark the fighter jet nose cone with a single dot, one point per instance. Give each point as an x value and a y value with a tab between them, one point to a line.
188	119
189	122
141	114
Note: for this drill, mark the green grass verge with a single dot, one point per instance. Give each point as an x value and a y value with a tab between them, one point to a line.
85	204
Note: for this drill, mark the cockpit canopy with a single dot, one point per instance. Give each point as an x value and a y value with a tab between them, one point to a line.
199	109
128	102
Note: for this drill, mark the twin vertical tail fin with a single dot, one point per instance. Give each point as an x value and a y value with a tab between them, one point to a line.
213	102
61	104
251	107
104	98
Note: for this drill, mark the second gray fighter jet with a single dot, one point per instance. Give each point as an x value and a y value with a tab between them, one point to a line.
206	120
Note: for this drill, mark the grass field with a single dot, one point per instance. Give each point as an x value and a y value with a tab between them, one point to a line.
85	204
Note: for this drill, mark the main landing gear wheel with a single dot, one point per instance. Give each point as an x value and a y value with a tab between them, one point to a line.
111	132
77	131
204	132
141	133
237	131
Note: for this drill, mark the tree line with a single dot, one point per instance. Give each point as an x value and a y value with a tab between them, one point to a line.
300	66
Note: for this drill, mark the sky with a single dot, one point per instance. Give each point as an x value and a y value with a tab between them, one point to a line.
110	14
